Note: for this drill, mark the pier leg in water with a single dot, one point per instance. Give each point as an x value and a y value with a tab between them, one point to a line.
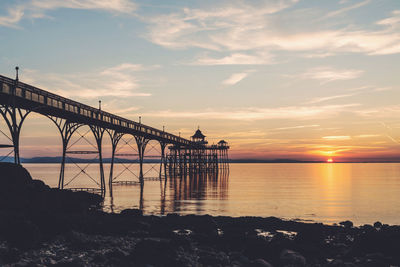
141	144
98	133
66	130
162	160
115	138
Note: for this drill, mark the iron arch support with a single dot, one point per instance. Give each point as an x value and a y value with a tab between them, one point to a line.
14	118
98	133
66	129
141	142
115	138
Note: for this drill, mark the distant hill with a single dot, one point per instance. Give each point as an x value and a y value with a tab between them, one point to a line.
123	160
272	161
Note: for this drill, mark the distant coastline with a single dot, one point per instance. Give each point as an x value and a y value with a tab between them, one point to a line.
123	160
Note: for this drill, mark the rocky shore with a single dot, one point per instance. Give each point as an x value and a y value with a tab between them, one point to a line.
40	226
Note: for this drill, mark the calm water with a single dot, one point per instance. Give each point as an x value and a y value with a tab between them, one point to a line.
362	193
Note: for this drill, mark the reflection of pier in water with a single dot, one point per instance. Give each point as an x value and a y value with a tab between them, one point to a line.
173	194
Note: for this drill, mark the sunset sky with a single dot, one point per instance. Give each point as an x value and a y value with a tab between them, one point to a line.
275	78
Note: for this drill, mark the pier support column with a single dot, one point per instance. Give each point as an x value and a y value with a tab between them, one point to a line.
98	133
141	142
66	129
115	138
163	160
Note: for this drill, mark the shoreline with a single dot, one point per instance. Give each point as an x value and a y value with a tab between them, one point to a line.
41	226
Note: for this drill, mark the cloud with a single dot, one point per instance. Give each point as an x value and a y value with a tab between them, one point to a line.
202	27
393	21
37	8
296	127
367	135
235	59
119	6
328	74
337	137
13	17
240	27
250	114
235	78
388	111
117	81
323	99
345	9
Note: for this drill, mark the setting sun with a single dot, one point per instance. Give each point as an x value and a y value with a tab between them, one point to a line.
329	160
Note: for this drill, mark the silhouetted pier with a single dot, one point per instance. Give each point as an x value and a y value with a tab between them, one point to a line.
18	100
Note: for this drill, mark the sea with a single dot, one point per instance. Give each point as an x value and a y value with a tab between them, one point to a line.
316	192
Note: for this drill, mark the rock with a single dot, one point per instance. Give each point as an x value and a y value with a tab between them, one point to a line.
154	251
256	247
20	232
212	258
19	192
386	241
292	258
346	224
261	263
239	257
312	234
378	225
132	212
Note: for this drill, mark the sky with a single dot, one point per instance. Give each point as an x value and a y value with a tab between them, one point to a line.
275	78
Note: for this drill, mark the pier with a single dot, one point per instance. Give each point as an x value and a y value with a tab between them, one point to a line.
184	156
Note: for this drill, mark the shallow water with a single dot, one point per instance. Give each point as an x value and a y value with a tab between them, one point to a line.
322	192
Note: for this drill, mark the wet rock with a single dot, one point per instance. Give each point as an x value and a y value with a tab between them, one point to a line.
346	224
292	258
212	258
154	251
386	241
313	234
20	232
239	258
132	212
257	247
378	225
261	263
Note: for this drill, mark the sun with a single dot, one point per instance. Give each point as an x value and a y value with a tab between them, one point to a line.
329	160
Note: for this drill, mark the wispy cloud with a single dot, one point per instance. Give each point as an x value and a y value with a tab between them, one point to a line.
117	81
295	127
367	135
34	9
327	98
249	114
328	74
346	9
393	21
337	137
235	59
244	26
236	78
12	18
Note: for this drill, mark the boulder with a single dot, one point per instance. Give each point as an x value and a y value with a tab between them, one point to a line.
346	224
292	258
132	212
